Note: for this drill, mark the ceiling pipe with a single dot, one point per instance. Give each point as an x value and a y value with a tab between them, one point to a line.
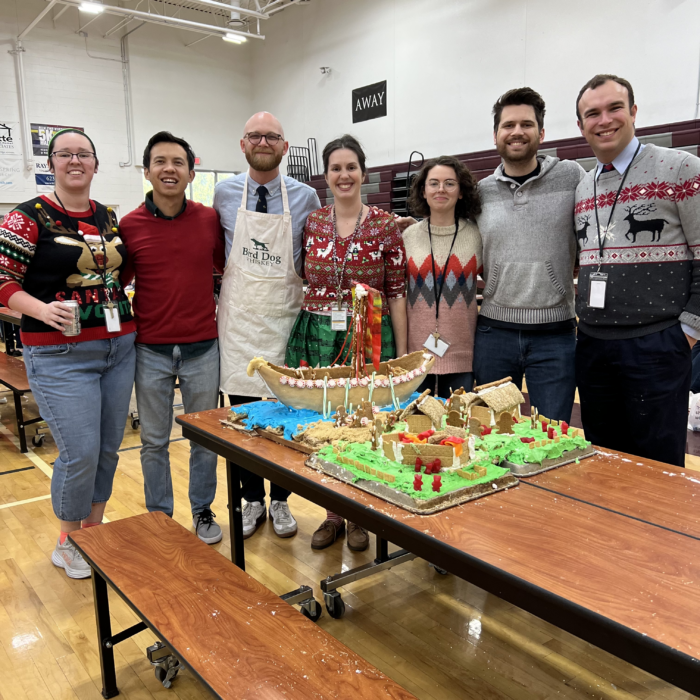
185	24
38	19
227	6
126	77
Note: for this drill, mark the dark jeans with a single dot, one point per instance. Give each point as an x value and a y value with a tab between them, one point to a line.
252	485
545	358
445	382
634	393
695	382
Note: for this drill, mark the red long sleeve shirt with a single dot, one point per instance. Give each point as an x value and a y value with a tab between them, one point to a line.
173	261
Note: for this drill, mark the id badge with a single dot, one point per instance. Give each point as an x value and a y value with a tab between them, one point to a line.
339	318
598	281
437	346
114	325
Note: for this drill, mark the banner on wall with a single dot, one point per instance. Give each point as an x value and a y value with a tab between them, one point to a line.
41	136
11	175
369	102
10	139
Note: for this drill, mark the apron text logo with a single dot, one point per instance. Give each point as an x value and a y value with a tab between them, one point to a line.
261	257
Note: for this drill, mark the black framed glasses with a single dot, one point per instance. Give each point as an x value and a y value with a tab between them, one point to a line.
271	139
67	156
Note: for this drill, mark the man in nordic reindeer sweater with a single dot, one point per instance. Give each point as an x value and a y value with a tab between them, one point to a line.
638	225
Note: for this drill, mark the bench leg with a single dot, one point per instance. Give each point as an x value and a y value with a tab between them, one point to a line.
19	414
235	514
104	633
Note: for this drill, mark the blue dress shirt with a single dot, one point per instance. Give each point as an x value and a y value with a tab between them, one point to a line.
621	163
303	199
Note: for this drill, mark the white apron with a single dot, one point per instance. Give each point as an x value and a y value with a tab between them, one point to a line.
261	296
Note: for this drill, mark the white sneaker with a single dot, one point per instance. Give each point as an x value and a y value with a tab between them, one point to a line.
69	558
254	515
282	520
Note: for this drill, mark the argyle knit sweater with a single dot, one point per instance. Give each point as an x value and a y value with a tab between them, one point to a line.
457	312
652	246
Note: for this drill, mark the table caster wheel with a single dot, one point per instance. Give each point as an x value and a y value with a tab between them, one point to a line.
311	609
166	676
135	423
334	604
37	440
438	570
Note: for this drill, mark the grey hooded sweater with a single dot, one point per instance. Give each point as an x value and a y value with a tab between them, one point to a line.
530	243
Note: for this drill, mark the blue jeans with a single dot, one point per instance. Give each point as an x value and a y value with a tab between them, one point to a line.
545	358
155	392
83	392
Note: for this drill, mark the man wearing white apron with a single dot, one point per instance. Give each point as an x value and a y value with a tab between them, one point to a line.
263	214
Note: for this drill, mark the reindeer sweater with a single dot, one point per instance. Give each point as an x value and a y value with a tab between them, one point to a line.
41	254
652	248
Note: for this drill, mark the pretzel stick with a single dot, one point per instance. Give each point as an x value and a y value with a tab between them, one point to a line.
486	386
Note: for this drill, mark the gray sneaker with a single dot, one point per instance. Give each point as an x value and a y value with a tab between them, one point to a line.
69	558
282	520
254	515
206	527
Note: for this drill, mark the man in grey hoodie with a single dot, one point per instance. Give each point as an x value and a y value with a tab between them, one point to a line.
527	324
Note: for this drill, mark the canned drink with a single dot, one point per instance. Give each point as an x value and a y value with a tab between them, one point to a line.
74	327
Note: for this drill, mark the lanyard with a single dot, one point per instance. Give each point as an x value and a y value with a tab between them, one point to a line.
601	242
102	270
441	286
339	274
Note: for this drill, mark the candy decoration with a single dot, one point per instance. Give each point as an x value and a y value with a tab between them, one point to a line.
544	427
284	379
437	482
417	482
551	433
485	431
564	428
419	464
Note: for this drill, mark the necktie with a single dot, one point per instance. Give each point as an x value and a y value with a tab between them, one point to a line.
607	168
262	202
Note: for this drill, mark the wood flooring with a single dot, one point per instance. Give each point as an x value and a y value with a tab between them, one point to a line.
437	636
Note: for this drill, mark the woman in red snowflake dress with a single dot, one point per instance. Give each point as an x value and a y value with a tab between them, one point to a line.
347	242
66	247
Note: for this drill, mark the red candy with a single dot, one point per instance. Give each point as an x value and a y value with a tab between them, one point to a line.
419	464
551	433
417	482
437	482
544	427
426	434
564	427
485	430
526	439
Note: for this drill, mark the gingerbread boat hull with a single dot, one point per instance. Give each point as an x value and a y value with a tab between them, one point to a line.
308	388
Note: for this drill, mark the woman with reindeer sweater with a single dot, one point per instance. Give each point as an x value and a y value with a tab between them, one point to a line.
65	247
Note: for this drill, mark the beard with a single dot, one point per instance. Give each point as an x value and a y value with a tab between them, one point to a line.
263	162
525	155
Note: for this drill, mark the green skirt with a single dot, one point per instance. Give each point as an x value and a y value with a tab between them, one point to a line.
313	341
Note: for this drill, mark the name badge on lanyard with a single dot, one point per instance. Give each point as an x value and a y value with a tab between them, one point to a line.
596	290
339	318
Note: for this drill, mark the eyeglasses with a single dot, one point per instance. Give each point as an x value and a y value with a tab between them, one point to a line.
67	156
448	185
271	139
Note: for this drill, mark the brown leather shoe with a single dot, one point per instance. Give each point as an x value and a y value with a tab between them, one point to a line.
358	539
327	533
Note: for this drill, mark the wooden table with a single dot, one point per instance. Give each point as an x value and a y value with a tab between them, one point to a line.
608	550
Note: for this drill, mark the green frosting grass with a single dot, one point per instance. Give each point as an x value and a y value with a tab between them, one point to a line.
512	449
404	474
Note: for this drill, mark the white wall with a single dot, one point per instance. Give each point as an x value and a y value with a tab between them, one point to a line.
199	93
446	62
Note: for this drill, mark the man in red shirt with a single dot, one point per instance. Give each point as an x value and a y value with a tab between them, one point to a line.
173	245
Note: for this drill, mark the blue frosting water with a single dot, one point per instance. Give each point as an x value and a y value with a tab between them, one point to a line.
272	414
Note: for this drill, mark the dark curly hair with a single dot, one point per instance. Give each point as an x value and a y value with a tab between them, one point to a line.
467	208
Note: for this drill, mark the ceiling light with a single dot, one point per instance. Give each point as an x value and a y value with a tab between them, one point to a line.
234	38
94	8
